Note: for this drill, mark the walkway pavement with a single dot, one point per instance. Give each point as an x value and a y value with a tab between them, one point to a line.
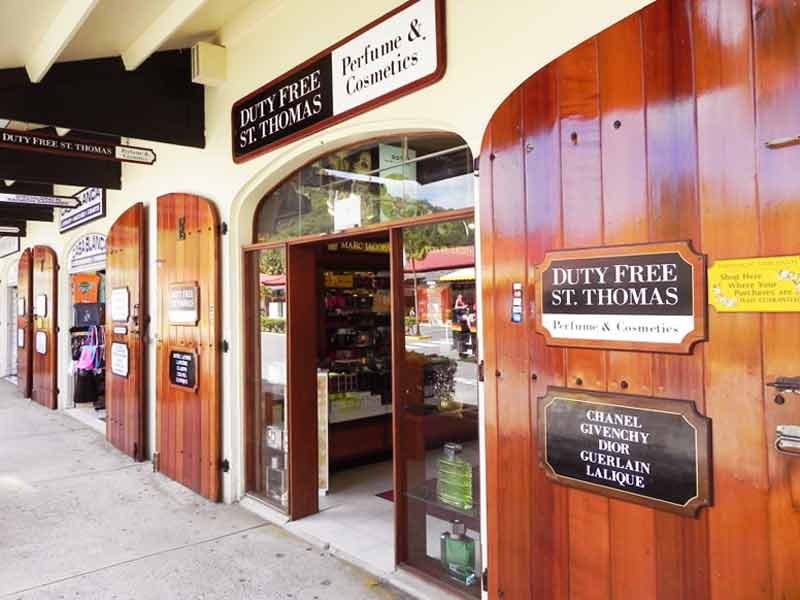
80	520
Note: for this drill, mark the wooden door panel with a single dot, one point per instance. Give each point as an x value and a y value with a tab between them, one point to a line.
653	130
188	420
126	266
45	328
25	323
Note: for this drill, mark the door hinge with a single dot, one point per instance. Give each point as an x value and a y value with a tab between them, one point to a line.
476	165
223	228
156	461
225	465
485	580
480	372
225	346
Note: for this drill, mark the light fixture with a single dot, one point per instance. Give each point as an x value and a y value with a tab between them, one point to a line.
10	182
62	131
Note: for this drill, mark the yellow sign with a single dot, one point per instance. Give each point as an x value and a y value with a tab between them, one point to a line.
769	284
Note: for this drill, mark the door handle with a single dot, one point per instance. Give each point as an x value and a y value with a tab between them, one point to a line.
787	439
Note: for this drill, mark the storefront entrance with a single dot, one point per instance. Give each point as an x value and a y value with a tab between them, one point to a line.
363	419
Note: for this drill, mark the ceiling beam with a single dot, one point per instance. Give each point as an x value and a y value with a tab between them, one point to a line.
157	101
152	38
64	26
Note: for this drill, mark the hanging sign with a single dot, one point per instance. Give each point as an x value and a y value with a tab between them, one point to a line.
768	284
34	200
120	305
183	369
650	451
49	144
20	338
402	51
88	253
9	245
41	342
184	303
40	306
641	297
91	206
119	359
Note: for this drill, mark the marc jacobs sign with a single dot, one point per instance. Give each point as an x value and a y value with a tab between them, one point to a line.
639	297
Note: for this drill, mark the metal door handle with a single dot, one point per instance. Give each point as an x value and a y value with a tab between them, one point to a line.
787	439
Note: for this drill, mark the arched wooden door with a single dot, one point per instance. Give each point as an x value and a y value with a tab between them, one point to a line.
188	368
654	130
126	331
45	327
24	312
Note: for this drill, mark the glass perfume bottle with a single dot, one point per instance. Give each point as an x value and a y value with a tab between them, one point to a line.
276	480
458	554
454	485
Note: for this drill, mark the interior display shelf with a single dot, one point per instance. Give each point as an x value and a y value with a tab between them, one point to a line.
428	410
361	413
426	493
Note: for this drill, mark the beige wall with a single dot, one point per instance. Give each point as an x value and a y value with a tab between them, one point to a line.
492	46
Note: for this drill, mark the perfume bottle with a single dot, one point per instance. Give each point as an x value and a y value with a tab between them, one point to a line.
458	554
276	480
454	485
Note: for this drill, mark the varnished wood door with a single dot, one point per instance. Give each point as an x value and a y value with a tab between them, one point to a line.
45	327
654	130
188	418
24	312
126	332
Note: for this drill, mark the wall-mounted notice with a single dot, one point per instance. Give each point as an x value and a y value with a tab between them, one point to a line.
21	308
184	303
88	253
120	360
120	305
645	450
41	342
402	51
9	245
768	284
640	297
40	306
20	338
183	368
91	206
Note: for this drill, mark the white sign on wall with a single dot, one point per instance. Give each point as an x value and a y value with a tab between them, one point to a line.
40	306
92	206
21	306
120	359
20	338
88	253
120	305
41	342
8	245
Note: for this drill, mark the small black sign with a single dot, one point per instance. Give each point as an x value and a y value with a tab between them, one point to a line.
183	368
645	450
637	297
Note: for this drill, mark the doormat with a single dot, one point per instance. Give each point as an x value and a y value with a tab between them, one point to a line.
387	495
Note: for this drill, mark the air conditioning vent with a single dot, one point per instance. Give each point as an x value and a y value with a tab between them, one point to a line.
209	64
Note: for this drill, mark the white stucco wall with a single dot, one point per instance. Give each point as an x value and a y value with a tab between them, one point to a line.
492	47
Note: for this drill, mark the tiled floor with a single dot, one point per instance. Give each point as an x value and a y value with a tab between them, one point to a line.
353	520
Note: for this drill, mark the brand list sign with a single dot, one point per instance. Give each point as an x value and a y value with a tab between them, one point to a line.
401	51
645	450
639	297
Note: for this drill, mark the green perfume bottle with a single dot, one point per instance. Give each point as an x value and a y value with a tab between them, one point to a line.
454	485
458	554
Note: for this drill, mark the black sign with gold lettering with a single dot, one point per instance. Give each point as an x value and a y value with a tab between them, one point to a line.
650	451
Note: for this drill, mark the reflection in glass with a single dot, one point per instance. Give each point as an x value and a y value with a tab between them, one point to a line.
268	459
373	183
439	430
